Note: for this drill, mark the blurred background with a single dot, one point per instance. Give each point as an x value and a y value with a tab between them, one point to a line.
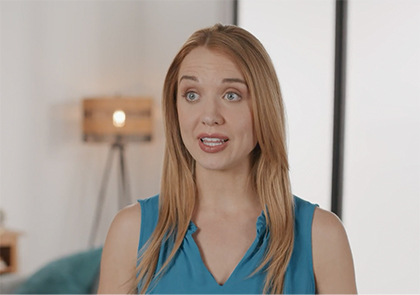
56	53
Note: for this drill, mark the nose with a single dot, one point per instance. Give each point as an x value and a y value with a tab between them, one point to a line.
211	113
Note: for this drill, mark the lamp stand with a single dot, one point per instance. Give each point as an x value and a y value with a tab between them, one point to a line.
123	188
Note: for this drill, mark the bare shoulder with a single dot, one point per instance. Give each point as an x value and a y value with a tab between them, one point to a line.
127	220
120	251
332	258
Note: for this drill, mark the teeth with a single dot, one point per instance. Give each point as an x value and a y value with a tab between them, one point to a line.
213	141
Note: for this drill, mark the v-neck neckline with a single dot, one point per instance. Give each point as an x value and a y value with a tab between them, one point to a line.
260	230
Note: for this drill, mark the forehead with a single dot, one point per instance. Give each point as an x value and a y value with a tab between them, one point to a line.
203	60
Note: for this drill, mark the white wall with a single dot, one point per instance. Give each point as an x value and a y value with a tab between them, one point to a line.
299	36
382	140
382	161
53	54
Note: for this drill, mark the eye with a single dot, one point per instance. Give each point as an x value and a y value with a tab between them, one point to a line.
232	96
191	96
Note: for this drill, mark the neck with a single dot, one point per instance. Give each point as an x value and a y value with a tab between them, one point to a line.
230	191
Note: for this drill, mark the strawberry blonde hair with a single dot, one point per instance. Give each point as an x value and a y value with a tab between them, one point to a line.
269	170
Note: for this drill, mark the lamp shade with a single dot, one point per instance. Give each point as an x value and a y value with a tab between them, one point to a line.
120	118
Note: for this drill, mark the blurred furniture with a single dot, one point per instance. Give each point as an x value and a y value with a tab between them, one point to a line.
116	121
9	251
77	273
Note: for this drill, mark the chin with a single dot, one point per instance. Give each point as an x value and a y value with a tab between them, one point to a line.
216	166
211	167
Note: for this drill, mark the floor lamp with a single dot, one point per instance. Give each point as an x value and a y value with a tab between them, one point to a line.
115	121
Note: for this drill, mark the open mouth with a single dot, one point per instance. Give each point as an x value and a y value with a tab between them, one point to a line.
211	141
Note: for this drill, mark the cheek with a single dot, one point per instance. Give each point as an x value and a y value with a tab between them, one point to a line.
245	130
252	135
181	113
185	123
247	124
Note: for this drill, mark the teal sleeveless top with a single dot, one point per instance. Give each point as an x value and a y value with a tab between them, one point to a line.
187	273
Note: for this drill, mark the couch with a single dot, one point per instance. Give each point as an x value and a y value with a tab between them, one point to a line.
74	274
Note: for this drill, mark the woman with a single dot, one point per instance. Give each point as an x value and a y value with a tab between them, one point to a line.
225	220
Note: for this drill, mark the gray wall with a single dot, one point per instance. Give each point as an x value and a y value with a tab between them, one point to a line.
53	54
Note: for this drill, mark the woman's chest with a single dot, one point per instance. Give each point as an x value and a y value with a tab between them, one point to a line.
188	273
223	246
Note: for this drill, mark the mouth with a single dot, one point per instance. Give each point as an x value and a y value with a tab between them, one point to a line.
213	141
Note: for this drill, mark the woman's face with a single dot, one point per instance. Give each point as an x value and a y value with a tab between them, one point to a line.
214	109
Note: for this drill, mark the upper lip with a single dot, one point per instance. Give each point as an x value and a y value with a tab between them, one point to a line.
213	135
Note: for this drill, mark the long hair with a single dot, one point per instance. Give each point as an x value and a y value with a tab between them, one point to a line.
269	170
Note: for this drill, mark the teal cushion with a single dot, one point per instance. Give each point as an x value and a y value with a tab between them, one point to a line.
73	274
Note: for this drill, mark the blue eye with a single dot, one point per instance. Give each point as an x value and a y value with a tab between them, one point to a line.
232	96
191	96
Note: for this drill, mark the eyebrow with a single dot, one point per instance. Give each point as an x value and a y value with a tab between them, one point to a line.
226	80
233	80
188	78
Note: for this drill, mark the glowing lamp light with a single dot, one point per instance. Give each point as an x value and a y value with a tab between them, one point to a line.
118	118
118	121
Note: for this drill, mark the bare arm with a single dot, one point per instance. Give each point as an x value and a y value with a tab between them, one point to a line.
333	262
120	252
